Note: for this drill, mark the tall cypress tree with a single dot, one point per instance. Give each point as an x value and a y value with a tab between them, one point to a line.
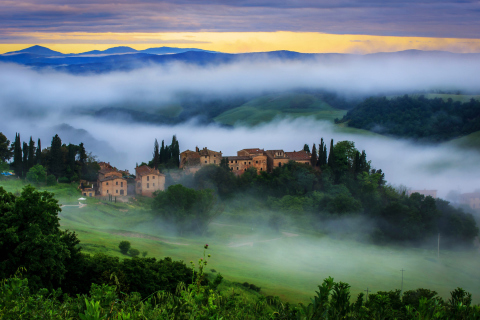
156	155
39	158
175	151
25	159
17	155
31	153
56	157
313	159
306	148
331	159
322	153
163	156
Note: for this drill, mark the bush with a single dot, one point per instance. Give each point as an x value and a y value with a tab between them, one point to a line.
144	254
63	180
134	252
37	174
51	180
124	247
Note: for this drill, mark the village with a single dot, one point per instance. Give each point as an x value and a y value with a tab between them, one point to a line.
112	182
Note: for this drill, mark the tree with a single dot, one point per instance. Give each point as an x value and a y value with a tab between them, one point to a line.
37	174
51	180
31	238
31	154
190	210
134	252
17	155
5	152
38	156
4	166
56	163
25	160
156	155
313	159
124	247
331	159
306	148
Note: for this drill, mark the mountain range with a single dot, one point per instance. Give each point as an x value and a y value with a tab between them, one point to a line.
126	58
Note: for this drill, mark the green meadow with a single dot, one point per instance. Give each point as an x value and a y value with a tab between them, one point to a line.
279	106
290	263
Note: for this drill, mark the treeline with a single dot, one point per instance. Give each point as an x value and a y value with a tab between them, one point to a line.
416	118
65	163
342	183
166	156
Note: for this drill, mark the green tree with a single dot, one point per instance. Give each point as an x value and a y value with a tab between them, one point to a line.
25	159
17	155
313	159
37	174
56	163
134	252
31	154
306	148
190	210
51	180
4	166
124	246
156	155
31	238
38	156
5	152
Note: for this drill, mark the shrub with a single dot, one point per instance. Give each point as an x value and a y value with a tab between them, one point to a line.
124	247
37	174
134	252
51	180
63	180
144	254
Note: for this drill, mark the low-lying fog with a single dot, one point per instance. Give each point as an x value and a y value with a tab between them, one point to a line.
40	104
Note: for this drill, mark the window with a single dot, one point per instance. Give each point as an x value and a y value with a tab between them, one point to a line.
256	161
205	161
214	155
279	164
116	183
148	178
245	162
116	191
205	157
84	193
249	162
153	177
261	169
235	161
231	161
148	185
90	194
214	161
121	184
107	183
107	191
153	184
237	168
245	169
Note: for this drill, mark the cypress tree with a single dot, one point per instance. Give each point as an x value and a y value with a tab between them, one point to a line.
163	156
313	159
17	155
56	161
31	153
175	151
331	159
322	154
307	148
156	154
25	159
38	157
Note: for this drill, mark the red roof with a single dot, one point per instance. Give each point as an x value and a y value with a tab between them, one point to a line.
144	170
298	155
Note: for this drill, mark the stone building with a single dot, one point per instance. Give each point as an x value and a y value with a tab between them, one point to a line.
199	158
247	158
148	180
111	182
471	199
278	158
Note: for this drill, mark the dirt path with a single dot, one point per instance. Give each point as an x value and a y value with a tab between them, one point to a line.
144	236
286	235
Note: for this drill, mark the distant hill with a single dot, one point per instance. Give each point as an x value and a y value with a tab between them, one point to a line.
37	50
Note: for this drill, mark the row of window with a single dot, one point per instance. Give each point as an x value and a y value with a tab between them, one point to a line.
148	178
121	184
249	162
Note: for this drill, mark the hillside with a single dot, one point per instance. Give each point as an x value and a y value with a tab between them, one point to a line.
278	106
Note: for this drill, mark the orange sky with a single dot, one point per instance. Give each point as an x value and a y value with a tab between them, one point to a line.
237	42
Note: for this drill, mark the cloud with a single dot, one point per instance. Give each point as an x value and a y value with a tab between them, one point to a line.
394	18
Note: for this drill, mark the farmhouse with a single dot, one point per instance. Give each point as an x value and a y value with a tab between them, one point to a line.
148	180
111	182
247	158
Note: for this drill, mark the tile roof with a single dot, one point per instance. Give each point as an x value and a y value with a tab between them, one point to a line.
298	155
143	170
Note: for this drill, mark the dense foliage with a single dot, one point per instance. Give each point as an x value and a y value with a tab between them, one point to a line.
64	162
341	184
416	118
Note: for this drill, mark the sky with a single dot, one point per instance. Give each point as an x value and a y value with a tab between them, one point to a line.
346	26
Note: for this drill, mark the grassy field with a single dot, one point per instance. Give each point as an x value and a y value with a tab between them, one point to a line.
289	264
471	141
269	107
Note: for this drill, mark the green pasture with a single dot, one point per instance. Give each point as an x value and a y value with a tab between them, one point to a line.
278	106
289	264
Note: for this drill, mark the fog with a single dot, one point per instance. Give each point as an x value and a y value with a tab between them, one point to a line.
36	103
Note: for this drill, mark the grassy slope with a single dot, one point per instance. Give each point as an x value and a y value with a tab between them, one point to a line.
471	141
269	107
290	267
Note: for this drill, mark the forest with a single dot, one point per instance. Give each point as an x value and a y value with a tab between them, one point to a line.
422	119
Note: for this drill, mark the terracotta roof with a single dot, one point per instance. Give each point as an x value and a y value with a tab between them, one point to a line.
144	170
206	152
106	170
111	178
230	158
253	150
298	155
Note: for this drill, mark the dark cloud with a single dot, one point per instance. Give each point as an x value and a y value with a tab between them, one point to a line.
396	18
